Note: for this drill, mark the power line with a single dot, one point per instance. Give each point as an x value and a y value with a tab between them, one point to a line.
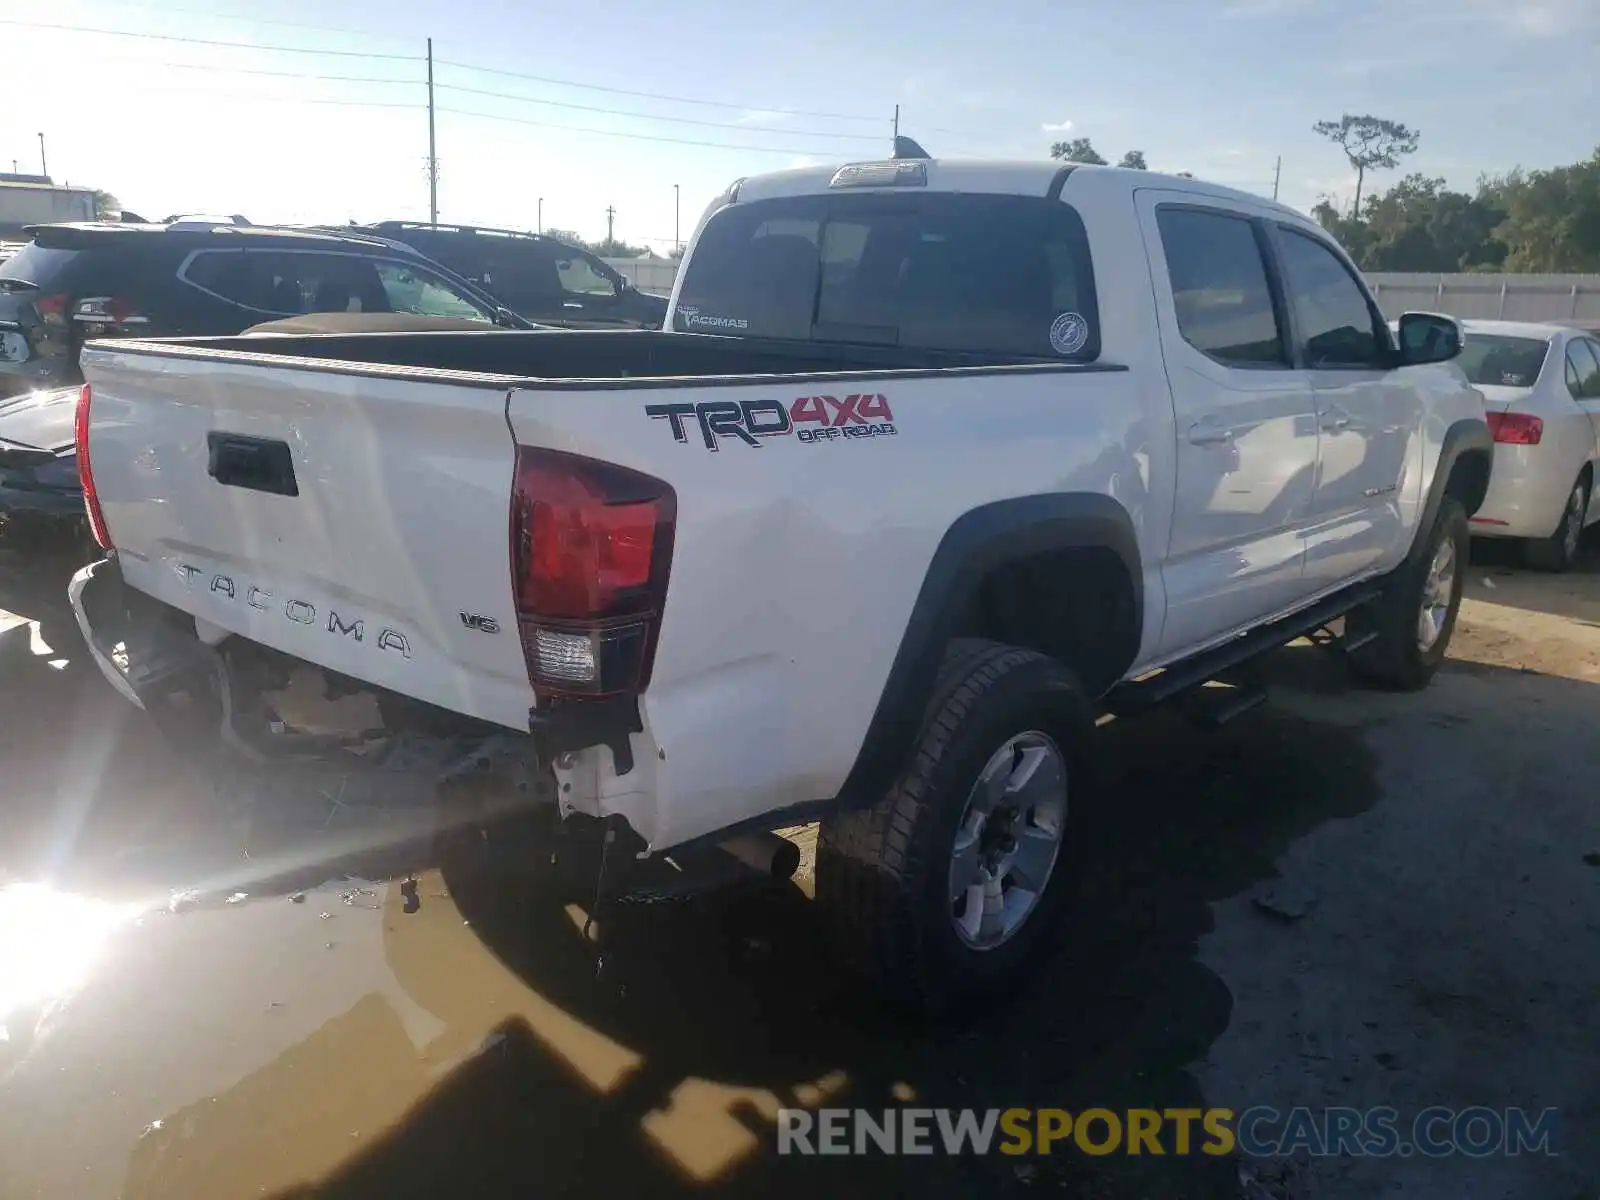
289	74
617	112
643	137
595	87
226	16
193	41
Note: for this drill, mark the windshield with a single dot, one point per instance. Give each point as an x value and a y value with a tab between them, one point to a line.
1492	360
968	273
35	264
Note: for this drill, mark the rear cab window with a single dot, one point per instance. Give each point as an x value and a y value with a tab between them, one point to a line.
975	274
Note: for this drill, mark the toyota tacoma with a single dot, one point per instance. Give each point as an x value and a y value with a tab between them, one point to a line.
934	464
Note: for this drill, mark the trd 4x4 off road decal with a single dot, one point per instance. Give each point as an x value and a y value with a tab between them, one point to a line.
810	419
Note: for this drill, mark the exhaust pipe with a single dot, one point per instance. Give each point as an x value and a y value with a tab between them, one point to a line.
765	853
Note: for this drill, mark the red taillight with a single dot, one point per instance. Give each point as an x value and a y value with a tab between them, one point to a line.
591	546
52	309
1515	429
91	498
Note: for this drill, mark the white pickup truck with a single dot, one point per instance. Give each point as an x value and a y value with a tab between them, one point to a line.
933	463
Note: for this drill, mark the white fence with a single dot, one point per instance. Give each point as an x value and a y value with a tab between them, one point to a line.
1565	299
1562	299
647	274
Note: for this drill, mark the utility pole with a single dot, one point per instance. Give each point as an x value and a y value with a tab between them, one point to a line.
677	242
541	214
897	120
433	158
1277	172
611	220
44	167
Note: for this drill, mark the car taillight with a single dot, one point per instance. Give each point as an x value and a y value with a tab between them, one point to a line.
108	310
91	498
591	547
52	309
1515	429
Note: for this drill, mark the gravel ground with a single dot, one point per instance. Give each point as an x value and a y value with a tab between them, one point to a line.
1340	898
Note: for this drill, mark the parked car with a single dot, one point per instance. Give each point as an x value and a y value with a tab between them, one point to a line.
985	448
38	462
1541	384
542	279
74	282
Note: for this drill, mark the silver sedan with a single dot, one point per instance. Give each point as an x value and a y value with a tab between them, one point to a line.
1541	391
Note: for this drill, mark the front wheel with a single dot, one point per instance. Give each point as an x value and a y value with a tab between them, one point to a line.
947	888
1559	551
1415	614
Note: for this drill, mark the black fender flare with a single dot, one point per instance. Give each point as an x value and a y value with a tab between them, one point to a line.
1466	436
978	542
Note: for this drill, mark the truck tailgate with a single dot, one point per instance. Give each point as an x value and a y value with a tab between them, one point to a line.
355	521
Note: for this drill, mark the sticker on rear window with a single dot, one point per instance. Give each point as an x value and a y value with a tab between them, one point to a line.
1511	379
1068	333
693	318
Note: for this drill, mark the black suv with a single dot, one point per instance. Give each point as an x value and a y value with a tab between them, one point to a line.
78	281
543	279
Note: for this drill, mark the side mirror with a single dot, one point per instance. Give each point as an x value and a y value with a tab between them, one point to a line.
1428	338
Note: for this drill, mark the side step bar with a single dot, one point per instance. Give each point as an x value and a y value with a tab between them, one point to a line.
1142	694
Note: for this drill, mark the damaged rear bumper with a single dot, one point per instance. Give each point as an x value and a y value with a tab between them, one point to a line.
131	643
594	760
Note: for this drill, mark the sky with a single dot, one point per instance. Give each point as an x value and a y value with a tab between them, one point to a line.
550	115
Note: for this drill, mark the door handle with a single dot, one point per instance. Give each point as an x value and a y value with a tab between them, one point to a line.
1209	433
1335	420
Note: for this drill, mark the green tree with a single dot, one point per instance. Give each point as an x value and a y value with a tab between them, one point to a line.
1420	225
1078	150
106	206
1552	218
1135	160
1370	143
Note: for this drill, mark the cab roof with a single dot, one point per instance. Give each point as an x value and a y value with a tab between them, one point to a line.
1015	177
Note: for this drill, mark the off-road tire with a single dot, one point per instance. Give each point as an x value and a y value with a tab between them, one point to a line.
1559	551
882	872
1395	660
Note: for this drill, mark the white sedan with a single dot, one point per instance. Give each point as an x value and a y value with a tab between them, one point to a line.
1541	390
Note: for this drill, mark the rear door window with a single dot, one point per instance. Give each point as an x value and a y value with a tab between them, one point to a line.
1584	370
982	274
1219	287
289	282
412	289
581	277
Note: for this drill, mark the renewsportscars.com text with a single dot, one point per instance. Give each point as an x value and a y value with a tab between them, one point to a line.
1258	1132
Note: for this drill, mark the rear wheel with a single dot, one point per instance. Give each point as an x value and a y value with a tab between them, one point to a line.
1416	612
947	888
1560	550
